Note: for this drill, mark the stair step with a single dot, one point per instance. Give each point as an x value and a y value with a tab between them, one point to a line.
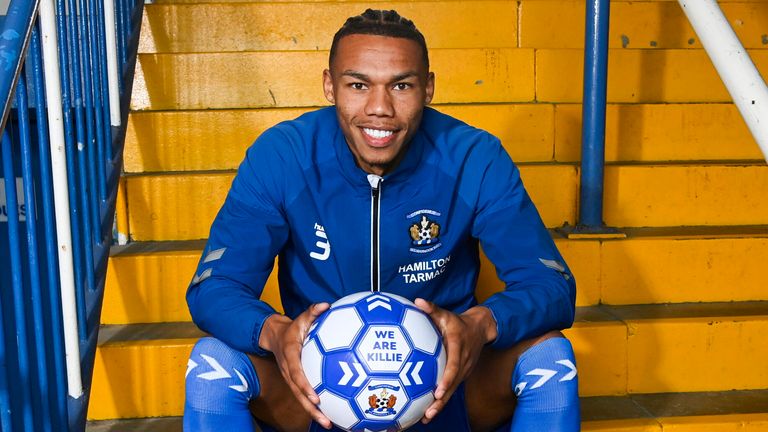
637	75
258	79
202	27
710	411
649	25
184	140
491	75
159	206
146	281
158	424
139	369
230	27
181	206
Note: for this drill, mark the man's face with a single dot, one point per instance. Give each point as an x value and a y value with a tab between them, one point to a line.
379	86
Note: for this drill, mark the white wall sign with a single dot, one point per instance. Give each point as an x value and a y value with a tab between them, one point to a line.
20	196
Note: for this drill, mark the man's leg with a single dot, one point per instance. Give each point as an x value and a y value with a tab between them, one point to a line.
220	382
226	389
534	380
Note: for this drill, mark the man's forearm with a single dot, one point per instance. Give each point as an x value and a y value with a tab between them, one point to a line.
273	327
482	318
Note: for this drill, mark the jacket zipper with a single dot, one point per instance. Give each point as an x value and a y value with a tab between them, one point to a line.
375	182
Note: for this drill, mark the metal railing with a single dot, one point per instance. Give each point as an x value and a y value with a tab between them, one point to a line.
736	69
68	66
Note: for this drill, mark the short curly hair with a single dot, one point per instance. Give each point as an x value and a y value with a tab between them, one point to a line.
380	23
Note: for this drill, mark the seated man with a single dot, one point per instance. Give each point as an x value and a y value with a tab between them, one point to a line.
352	198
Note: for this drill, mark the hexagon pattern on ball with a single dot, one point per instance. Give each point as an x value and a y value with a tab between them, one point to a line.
375	360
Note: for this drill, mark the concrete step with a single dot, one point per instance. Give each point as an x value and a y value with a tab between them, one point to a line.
702	347
648	25
472	75
181	206
263	26
146	282
261	79
283	26
159	141
695	412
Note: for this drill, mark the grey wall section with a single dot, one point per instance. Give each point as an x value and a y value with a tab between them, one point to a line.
4	6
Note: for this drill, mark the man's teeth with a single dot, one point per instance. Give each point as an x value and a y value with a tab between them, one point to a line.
377	133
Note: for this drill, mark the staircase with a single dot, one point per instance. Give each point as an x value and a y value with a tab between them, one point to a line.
672	320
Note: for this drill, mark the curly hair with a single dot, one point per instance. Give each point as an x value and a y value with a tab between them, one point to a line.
380	23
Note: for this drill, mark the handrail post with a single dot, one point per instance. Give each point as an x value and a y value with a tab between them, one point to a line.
593	113
590	221
736	69
61	201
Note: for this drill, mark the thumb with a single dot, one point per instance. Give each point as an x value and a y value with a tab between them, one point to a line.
317	309
426	306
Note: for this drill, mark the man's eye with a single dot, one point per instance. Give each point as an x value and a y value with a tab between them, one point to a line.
402	86
358	86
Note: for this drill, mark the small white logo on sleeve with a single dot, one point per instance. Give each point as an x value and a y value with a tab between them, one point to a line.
323	244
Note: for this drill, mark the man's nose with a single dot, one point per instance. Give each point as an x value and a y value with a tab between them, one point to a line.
379	103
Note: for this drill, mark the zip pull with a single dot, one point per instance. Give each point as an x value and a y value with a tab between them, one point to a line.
375	182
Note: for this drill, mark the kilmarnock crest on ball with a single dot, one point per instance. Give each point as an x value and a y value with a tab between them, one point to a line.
374	360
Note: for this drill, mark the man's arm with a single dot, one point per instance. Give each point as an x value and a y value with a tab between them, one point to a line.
246	236
540	290
223	297
539	294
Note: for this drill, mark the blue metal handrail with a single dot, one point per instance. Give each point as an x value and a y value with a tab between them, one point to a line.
33	374
592	171
593	114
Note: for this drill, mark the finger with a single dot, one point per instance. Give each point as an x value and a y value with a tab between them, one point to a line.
426	306
300	380
311	314
310	406
432	411
317	309
439	316
452	369
296	372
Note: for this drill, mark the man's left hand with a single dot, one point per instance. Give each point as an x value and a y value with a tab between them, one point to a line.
463	337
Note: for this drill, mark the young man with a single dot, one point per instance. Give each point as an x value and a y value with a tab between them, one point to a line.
337	194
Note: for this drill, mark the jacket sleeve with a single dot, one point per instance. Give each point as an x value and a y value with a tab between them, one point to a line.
246	236
540	291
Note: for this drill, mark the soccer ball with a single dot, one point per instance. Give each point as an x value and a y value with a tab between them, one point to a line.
374	360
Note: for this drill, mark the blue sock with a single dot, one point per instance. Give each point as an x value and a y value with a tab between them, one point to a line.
547	389
220	382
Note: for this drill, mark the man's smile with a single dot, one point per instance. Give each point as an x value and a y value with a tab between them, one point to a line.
378	137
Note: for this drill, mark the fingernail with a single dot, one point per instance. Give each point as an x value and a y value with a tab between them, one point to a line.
431	413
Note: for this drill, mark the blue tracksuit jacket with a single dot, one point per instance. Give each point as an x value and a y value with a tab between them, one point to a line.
415	232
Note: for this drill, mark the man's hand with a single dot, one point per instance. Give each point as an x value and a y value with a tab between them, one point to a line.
285	338
464	337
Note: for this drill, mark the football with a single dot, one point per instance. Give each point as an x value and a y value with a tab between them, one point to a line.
374	360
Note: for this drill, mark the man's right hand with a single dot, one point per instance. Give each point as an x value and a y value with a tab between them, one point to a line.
284	338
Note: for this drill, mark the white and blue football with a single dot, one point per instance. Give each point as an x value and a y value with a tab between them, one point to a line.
374	360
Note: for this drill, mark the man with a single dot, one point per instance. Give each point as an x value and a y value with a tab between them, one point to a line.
341	195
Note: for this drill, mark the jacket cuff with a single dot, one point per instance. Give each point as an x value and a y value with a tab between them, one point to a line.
257	327
503	338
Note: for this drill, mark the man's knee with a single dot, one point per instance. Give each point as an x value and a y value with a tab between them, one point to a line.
219	379
545	382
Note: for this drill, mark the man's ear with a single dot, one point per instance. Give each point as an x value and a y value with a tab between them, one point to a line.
328	86
430	88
